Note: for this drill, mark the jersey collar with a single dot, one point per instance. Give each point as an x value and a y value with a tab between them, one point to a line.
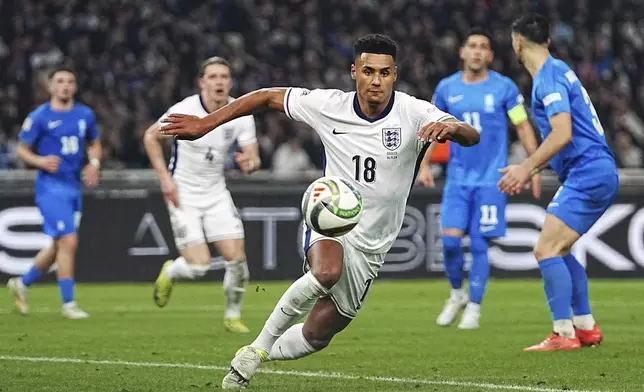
383	114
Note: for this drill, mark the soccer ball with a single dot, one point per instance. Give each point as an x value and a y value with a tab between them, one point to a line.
332	206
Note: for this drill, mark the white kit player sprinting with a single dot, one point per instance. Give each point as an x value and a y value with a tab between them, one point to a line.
374	138
200	206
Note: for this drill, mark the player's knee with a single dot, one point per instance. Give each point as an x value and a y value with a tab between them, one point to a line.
67	243
478	246
451	244
549	249
328	274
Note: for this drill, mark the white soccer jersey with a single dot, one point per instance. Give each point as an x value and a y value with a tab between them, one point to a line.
197	166
379	156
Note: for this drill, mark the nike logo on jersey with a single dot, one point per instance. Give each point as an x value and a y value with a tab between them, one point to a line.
455	99
485	229
338	133
54	124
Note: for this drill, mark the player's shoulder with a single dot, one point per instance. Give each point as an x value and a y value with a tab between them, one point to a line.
321	93
455	78
402	99
188	102
500	78
83	109
39	112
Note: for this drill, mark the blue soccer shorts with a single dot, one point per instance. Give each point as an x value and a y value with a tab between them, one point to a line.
478	211
61	212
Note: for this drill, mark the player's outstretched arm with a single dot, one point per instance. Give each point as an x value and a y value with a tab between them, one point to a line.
450	129
192	127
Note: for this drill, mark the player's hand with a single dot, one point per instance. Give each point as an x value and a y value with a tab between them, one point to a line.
49	163
425	176
169	190
90	175
438	131
183	126
515	178
247	163
536	186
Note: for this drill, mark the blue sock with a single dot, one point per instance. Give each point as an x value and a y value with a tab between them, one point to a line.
454	260
480	269
580	301
66	289
31	276
558	286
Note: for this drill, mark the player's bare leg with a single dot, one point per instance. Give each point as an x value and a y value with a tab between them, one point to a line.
235	281
192	264
66	246
326	261
18	286
453	255
554	242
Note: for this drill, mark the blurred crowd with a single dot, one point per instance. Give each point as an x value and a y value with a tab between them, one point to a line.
136	58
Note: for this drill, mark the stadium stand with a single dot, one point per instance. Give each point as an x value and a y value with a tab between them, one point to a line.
135	58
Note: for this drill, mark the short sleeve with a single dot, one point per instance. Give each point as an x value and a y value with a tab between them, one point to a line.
245	130
92	132
438	99
174	109
304	105
31	130
554	96
424	112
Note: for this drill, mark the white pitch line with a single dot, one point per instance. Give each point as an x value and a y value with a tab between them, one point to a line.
338	376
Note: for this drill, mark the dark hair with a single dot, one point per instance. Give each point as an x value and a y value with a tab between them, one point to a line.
375	43
478	31
210	61
54	71
535	28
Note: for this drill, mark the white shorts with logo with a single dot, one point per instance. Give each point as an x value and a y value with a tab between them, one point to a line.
197	225
358	273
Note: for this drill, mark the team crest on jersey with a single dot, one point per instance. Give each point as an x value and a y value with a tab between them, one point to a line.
82	127
488	102
391	138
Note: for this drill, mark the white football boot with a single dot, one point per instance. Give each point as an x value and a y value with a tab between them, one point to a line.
19	292
471	315
73	312
242	368
453	305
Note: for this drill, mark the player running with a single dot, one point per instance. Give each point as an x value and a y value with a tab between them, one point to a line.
375	138
59	131
575	146
195	191
472	203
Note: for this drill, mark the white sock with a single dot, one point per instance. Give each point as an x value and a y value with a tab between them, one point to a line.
179	269
291	345
585	322
457	293
472	307
235	281
564	328
296	301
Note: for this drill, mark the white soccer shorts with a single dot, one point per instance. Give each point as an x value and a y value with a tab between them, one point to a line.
359	271
197	225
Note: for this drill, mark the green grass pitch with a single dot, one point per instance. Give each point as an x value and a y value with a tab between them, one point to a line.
394	345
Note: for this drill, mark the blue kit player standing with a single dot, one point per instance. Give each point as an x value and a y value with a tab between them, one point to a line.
53	139
472	204
574	145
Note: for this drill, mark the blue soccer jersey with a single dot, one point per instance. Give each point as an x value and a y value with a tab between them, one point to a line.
63	134
486	106
472	202
586	165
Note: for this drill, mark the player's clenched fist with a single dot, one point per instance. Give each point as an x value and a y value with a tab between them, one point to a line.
183	126
49	163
